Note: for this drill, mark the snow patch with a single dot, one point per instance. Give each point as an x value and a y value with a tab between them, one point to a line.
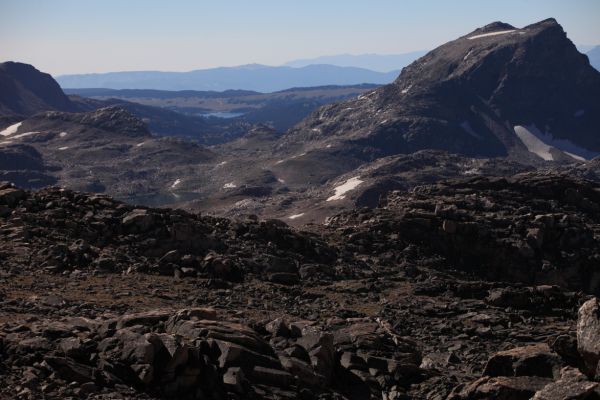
243	203
11	129
579	113
315	130
176	183
345	187
328	146
63	148
22	135
541	143
279	162
295	216
468	54
472	171
140	144
280	180
62	134
575	156
533	143
469	168
221	163
406	90
491	34
292	157
229	185
467	128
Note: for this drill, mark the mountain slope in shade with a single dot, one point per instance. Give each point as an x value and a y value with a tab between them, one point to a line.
260	78
594	56
374	62
24	91
467	96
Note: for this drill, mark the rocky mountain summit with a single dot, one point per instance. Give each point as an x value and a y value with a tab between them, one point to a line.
24	91
497	91
464	289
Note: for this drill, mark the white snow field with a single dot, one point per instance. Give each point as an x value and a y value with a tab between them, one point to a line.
541	143
11	129
345	187
491	34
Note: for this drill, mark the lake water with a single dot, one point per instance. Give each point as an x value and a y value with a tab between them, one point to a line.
222	114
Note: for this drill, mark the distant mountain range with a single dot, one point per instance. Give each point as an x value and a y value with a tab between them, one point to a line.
374	62
594	56
342	70
255	77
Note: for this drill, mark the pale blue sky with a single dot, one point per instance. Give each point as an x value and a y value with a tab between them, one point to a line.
78	36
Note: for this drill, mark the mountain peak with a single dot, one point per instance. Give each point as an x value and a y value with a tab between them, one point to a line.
468	96
546	23
493	27
26	91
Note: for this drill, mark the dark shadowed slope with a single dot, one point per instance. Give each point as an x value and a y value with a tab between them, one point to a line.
24	91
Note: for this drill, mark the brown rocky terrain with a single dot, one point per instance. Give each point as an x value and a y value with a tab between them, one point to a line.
464	289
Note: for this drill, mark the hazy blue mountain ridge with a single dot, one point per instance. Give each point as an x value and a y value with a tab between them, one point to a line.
374	62
255	77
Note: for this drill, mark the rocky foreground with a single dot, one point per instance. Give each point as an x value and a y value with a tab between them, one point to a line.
468	289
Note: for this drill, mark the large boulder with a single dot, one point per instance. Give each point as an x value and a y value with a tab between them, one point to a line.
138	220
588	335
11	196
500	388
534	360
571	385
